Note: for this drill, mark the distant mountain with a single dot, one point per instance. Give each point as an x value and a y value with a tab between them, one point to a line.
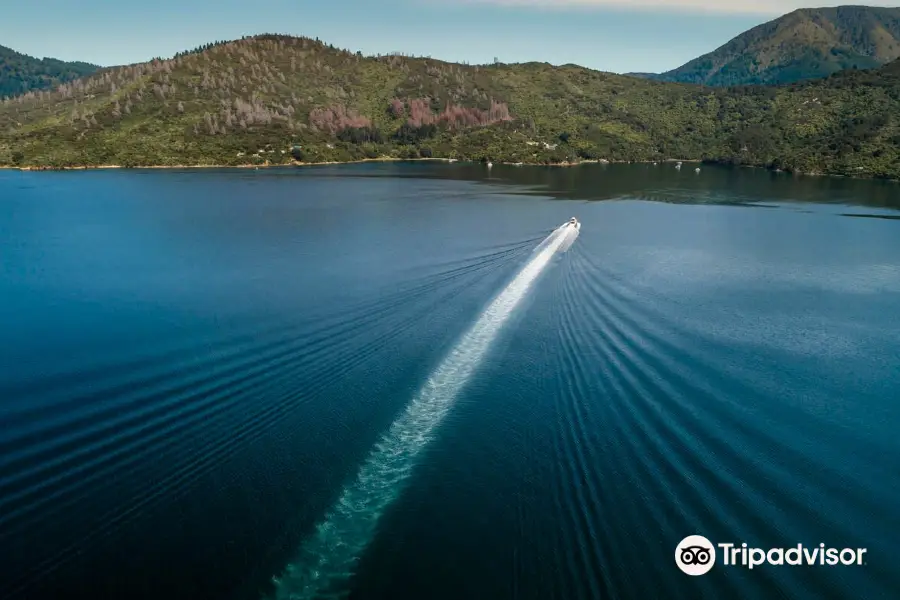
20	73
804	44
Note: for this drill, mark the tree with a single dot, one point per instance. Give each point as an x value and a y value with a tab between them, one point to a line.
397	108
360	135
410	134
297	153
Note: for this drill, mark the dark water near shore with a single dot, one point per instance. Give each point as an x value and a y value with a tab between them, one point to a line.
193	364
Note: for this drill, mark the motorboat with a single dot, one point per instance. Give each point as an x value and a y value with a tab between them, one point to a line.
573	222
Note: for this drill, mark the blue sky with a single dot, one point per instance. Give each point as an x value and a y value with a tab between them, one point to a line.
611	35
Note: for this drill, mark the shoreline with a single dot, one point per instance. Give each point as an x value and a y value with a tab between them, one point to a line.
344	162
265	165
449	161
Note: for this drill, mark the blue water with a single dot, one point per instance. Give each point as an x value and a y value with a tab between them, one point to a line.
195	366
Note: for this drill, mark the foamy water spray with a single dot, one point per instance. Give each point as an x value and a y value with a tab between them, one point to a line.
327	558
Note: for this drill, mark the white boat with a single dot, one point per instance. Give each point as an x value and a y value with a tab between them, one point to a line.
573	222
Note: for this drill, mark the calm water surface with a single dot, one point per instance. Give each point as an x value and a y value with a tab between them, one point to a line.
194	365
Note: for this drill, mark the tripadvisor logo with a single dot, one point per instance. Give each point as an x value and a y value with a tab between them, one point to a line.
696	555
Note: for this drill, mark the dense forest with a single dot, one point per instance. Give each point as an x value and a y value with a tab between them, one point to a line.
277	99
20	73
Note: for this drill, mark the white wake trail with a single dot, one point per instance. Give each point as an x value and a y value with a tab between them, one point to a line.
563	230
327	558
571	234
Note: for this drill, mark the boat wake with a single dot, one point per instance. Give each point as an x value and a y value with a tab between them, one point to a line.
568	231
328	557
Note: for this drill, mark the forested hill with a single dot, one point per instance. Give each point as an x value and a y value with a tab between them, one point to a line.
804	44
271	98
20	73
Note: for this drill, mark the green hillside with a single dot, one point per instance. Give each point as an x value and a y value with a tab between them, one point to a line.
20	73
268	98
803	44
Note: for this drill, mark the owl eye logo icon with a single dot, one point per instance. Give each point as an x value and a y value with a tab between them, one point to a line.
695	555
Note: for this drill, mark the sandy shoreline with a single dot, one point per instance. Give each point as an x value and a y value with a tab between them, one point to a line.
348	162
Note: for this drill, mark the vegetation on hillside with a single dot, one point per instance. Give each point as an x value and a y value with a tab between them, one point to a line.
804	44
20	73
276	99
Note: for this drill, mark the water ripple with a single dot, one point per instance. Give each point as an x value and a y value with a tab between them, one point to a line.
193	408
